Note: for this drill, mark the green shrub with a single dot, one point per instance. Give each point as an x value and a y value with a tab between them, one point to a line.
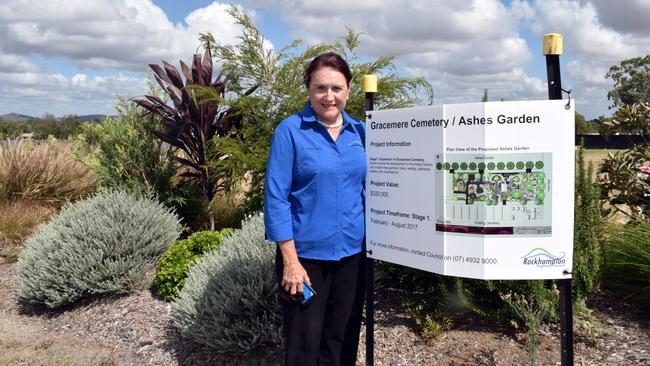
625	184
484	297
125	155
175	263
190	205
43	173
103	245
531	310
627	259
230	300
587	232
432	299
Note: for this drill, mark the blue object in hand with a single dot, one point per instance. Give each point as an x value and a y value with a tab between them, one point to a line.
307	293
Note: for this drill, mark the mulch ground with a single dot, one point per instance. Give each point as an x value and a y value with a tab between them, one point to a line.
137	330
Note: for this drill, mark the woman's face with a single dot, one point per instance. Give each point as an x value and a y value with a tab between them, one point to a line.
328	93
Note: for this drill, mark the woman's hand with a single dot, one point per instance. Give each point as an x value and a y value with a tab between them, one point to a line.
293	274
293	277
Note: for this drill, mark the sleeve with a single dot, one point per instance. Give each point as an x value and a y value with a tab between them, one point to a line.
277	184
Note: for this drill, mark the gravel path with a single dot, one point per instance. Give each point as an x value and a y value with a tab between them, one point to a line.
135	330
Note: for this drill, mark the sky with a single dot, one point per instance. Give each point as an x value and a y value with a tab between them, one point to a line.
77	56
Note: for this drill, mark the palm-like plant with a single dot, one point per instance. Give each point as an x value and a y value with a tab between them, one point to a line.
189	125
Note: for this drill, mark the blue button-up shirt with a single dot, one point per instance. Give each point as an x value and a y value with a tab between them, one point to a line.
314	187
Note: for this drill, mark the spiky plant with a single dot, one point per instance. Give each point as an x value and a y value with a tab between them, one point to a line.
188	124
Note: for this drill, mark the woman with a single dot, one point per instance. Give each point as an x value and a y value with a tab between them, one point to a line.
314	210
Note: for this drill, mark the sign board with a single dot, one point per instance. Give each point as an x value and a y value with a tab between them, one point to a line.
480	190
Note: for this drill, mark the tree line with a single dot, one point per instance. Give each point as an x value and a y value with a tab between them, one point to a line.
42	128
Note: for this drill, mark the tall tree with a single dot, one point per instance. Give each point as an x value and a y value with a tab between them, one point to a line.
266	86
631	82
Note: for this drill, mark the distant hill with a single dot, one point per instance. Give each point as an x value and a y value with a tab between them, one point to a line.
17	117
25	118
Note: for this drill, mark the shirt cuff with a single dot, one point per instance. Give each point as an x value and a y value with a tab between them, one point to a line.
279	232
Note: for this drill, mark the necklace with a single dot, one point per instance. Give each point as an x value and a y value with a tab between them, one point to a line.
339	124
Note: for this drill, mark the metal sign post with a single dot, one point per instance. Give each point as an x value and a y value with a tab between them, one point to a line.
552	51
369	87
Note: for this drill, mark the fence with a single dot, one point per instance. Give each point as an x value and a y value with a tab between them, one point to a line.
597	141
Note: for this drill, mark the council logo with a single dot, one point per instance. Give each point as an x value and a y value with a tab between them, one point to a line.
541	257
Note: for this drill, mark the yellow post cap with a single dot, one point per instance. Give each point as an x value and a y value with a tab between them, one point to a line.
553	44
369	84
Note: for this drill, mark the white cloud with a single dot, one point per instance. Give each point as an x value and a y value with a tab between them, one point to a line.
461	47
475	57
597	34
630	16
112	38
36	92
522	10
589	86
514	84
13	63
588	73
401	26
108	34
582	32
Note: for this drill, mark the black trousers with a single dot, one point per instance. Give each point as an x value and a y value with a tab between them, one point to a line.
325	331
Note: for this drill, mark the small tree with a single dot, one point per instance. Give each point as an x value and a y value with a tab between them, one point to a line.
267	86
532	311
124	155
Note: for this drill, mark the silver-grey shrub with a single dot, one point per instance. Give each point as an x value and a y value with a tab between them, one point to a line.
103	245
230	300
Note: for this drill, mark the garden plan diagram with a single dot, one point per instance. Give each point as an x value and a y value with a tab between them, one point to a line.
496	194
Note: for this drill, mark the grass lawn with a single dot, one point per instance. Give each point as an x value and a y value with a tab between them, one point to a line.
596	155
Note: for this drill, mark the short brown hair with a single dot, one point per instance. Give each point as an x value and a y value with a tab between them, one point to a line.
329	59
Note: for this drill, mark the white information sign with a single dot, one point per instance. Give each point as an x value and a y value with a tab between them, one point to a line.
480	190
